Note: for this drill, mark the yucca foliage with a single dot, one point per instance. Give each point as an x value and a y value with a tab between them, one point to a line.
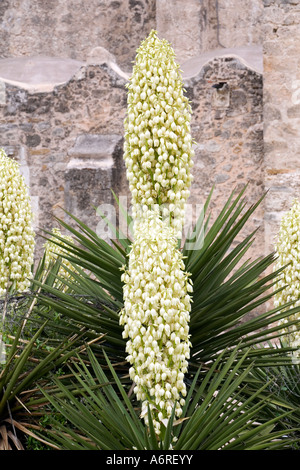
222	338
226	297
215	415
53	252
29	361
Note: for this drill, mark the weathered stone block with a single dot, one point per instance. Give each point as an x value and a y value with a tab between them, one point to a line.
96	146
85	189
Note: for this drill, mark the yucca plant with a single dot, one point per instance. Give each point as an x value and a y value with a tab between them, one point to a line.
16	236
191	369
158	155
28	363
16	233
283	386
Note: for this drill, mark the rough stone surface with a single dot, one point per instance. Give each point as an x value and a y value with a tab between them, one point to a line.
251	56
281	49
240	23
64	125
38	73
73	136
95	146
228	129
192	31
206	25
63	70
72	28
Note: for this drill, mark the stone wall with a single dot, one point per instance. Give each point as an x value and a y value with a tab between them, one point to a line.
72	28
281	110
68	141
70	137
206	25
240	23
62	116
192	31
227	125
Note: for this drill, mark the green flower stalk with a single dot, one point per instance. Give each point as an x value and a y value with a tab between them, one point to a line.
16	232
158	146
288	251
156	318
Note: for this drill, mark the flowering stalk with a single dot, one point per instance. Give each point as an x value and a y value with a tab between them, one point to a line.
288	251
158	146
158	156
16	232
156	319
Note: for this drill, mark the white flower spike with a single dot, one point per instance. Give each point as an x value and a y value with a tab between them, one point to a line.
158	146
16	235
156	318
288	251
158	156
16	232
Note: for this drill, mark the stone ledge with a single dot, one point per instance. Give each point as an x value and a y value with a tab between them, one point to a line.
43	74
249	56
90	164
97	148
38	74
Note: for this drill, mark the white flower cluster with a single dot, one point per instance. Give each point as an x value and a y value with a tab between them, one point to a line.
288	250
156	319
16	233
54	251
158	146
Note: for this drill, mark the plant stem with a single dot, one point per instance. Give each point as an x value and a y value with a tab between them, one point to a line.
2	345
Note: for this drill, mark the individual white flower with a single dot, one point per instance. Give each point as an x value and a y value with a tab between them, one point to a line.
158	145
288	251
156	317
17	240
